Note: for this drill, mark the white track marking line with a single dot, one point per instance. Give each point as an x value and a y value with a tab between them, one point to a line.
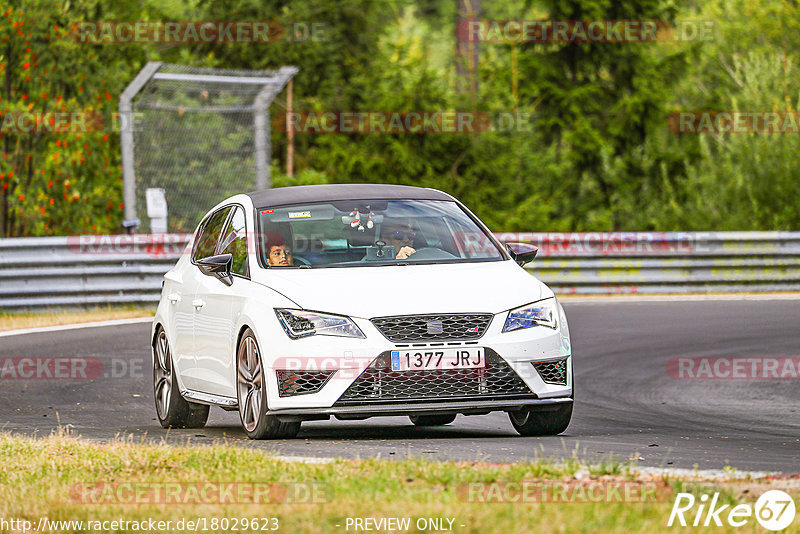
305	459
58	328
684	473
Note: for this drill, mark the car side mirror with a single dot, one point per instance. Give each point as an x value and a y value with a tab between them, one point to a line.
522	253
219	266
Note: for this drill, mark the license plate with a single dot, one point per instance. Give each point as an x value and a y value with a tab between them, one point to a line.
430	359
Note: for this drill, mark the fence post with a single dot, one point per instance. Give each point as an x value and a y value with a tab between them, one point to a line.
126	139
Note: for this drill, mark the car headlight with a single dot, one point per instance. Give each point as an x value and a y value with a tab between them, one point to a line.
300	323
538	313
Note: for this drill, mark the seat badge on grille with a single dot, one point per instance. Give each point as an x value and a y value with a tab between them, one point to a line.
435	327
395	360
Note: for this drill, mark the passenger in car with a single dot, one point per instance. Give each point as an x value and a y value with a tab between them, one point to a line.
278	254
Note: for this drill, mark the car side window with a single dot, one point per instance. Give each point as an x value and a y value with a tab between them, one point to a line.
234	241
209	235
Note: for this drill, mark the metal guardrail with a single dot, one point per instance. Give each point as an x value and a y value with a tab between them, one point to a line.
85	270
665	262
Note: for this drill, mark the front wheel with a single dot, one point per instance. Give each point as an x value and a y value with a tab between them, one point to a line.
544	421
432	420
172	409
251	392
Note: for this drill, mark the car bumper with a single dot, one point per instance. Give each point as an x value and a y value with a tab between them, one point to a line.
345	359
469	407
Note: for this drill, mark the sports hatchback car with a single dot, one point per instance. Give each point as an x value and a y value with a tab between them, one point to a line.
355	301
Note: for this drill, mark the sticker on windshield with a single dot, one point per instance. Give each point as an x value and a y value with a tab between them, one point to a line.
299	214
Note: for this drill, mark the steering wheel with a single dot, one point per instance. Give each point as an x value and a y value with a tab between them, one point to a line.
431	253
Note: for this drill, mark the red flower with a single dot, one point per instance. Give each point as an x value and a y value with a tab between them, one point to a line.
22	198
25	96
26	65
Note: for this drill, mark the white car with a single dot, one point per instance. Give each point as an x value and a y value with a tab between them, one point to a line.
355	301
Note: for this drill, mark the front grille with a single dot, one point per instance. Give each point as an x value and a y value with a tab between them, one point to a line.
291	383
554	372
405	328
378	383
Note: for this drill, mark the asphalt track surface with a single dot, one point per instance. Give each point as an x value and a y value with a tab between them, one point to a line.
627	405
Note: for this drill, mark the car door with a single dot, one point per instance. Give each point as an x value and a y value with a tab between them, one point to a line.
181	288
219	306
186	308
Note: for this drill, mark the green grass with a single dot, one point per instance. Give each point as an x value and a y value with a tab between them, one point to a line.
13	320
39	478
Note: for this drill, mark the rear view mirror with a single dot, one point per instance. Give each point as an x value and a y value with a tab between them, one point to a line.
522	253
219	266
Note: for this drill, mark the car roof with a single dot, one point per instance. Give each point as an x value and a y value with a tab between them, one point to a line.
327	192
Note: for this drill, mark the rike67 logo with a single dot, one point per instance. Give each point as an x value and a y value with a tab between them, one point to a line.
774	510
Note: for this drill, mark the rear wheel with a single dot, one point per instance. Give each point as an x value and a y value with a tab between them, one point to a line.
542	421
251	392
172	409
432	420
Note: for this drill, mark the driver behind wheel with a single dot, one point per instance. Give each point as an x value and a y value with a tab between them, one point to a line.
398	234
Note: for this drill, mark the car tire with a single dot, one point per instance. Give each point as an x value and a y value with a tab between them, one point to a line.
251	393
172	410
432	420
544	421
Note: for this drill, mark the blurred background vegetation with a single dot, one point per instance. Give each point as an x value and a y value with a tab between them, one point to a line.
598	155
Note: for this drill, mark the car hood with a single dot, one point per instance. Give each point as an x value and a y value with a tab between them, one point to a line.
411	289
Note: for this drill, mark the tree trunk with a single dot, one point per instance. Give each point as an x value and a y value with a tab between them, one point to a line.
467	51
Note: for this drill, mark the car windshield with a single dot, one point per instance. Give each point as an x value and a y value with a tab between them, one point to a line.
359	233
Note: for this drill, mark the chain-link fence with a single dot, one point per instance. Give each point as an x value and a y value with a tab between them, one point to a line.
199	134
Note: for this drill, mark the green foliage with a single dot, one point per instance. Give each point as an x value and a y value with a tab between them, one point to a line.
68	182
597	153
